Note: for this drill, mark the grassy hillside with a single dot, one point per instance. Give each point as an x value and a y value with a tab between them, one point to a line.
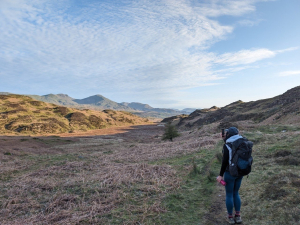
282	109
135	178
24	115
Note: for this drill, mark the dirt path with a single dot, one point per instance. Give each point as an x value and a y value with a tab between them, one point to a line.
217	212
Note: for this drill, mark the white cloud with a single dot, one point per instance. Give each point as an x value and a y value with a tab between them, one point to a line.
215	8
244	57
129	46
289	73
287	50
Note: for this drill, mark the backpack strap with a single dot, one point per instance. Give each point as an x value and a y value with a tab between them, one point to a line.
232	150
230	153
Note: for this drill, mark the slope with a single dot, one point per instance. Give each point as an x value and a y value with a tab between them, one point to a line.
102	102
59	99
282	109
99	102
21	114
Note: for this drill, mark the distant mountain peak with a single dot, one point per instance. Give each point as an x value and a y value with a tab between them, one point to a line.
64	95
99	102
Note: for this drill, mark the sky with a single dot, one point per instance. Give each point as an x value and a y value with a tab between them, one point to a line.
165	53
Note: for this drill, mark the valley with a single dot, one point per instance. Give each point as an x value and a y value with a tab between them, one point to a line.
132	177
126	174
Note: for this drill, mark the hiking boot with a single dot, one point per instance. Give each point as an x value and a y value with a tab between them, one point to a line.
231	220
238	219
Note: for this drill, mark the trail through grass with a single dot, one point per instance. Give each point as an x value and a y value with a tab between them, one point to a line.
138	179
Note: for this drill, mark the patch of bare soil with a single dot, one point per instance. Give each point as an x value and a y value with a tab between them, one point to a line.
18	146
100	132
217	212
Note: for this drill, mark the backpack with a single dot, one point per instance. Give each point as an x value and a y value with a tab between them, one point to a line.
240	159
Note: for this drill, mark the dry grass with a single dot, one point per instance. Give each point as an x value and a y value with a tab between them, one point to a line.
86	179
21	115
121	176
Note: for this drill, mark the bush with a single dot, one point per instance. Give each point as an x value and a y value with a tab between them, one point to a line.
170	132
195	170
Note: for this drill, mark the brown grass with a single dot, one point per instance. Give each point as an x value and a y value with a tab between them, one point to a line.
82	181
98	176
21	115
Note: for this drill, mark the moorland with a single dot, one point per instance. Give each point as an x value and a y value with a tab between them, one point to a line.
128	175
23	115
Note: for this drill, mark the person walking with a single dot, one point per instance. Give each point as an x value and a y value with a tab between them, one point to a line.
233	183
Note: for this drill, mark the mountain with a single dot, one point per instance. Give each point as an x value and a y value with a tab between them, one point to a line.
60	99
23	114
102	102
99	102
282	109
138	106
148	108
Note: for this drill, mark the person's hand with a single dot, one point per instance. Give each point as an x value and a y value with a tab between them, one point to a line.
219	178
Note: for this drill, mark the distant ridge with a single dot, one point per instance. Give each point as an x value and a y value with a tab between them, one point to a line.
102	102
60	99
138	106
282	109
99	102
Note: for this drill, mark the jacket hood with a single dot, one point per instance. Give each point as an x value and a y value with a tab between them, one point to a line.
233	138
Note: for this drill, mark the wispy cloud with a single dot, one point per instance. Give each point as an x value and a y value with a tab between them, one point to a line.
102	46
246	56
287	50
289	73
248	23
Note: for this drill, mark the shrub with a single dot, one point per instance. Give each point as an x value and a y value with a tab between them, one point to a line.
62	110
195	170
36	103
170	132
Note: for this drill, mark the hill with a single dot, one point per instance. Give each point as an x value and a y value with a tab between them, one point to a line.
282	109
148	108
102	102
59	99
99	102
128	175
22	114
138	106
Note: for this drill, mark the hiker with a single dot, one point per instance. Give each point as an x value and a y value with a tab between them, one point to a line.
232	174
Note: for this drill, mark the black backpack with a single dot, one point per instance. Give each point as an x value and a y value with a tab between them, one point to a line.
241	157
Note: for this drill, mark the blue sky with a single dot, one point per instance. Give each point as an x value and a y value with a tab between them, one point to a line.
167	53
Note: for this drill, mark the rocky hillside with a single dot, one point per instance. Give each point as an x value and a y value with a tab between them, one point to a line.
282	109
22	114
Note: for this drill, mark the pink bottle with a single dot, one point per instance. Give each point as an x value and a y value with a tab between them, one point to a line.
223	182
